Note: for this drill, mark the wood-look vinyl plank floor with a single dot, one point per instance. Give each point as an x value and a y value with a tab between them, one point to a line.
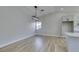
37	44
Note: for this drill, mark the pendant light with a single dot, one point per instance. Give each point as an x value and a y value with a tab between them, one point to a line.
35	17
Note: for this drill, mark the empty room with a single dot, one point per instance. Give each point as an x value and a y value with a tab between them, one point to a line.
39	28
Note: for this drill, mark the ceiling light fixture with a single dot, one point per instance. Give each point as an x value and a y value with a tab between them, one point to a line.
42	10
35	17
61	9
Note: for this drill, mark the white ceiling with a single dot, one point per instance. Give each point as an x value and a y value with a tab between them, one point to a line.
51	9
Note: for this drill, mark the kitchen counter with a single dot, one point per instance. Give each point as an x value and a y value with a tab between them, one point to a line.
72	34
72	40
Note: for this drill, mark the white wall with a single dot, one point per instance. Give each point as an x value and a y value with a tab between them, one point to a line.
76	22
14	24
51	24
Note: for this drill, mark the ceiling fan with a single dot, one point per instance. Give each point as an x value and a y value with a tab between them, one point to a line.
35	17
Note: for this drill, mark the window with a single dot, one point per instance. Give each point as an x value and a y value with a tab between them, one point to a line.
38	25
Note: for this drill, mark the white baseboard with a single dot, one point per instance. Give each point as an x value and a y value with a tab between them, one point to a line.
11	42
50	35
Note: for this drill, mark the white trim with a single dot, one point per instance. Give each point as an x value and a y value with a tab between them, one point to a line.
50	35
11	42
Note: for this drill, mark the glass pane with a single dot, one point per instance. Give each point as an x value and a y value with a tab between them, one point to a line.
38	25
